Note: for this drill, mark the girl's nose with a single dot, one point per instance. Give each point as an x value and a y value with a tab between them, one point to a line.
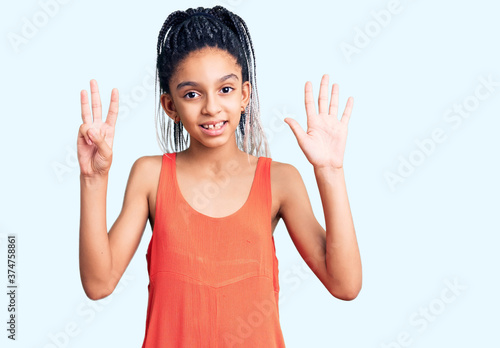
211	105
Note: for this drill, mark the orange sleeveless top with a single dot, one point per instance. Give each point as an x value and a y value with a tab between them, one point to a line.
213	282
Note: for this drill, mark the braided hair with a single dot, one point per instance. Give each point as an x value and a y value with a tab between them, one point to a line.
186	31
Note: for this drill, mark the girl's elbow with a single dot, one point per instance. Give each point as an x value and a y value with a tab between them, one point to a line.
346	293
97	295
96	292
346	296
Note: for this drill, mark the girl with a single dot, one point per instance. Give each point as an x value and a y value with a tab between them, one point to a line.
214	205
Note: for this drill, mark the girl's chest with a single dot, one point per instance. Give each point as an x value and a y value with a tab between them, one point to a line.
228	200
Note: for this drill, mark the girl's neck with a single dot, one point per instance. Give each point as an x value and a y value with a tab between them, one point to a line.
214	159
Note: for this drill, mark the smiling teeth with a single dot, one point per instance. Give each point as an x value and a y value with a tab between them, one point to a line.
217	125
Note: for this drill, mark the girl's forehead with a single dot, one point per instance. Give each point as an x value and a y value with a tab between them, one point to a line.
207	63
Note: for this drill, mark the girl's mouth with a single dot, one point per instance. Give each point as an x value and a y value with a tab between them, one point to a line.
214	130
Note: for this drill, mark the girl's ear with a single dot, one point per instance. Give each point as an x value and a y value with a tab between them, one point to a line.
168	105
245	94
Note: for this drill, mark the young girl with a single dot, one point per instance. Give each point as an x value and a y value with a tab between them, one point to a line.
214	205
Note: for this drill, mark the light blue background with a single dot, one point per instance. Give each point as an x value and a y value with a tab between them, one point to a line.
438	224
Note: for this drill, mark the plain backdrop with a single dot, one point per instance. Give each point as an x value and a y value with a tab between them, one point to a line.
421	165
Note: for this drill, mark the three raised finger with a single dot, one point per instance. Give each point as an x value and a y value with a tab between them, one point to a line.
323	94
113	108
96	101
86	116
334	102
346	116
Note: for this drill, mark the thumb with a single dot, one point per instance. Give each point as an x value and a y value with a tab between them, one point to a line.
98	139
296	128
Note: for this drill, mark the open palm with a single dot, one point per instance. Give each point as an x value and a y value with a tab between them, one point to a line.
95	137
324	142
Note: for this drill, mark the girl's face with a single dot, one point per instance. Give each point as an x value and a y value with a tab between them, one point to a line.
207	88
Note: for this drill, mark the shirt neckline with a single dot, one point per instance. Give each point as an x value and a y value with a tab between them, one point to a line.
177	188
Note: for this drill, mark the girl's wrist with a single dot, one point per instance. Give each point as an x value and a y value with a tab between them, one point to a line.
94	179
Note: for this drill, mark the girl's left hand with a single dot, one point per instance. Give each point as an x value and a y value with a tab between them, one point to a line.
325	139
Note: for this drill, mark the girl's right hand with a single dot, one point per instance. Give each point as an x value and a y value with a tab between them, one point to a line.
95	139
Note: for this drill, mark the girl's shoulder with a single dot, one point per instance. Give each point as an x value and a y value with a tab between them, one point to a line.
147	164
283	176
282	170
146	171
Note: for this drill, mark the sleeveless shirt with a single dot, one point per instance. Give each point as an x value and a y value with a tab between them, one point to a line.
213	282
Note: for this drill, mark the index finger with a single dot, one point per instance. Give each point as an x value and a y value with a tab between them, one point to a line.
86	117
310	109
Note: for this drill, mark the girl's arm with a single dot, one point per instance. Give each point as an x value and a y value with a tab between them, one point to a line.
342	256
332	254
95	253
104	257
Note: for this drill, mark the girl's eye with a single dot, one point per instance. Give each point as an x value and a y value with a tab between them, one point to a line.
190	94
225	89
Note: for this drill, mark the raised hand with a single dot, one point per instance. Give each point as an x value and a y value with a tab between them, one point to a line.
324	142
95	138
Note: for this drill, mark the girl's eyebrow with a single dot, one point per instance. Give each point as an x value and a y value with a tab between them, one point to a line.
192	83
